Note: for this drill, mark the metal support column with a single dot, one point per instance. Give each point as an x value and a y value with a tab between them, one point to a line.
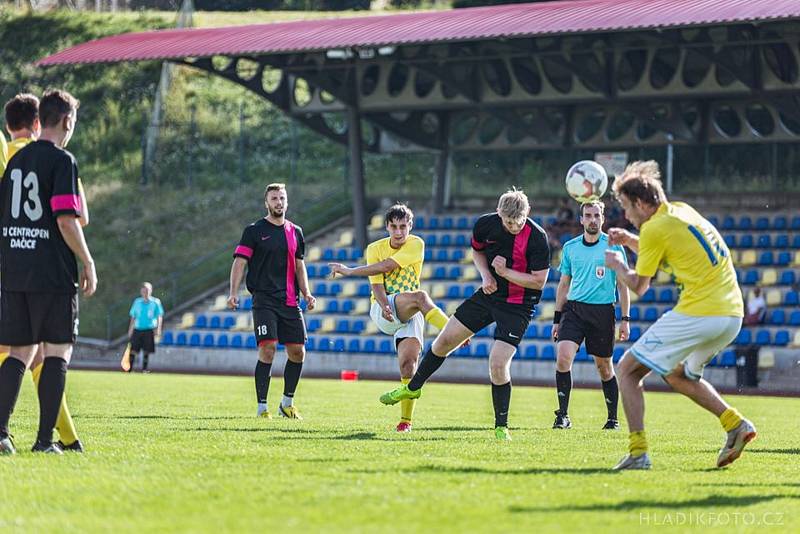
356	171
443	166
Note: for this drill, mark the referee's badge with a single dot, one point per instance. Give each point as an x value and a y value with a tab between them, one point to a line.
600	271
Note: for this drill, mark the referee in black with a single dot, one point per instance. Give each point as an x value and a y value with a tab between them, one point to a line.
585	312
272	250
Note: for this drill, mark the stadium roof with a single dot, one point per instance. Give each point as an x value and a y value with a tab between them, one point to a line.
460	25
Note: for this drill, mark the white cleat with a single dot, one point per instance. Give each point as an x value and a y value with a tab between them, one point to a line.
634	462
734	445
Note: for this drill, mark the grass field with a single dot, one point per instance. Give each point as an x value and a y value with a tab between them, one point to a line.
170	453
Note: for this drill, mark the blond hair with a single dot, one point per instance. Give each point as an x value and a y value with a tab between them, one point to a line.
641	181
513	204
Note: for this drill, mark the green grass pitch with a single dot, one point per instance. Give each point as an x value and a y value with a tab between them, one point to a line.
172	453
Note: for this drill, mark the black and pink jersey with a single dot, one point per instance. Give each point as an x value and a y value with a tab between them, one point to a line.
271	251
39	185
525	252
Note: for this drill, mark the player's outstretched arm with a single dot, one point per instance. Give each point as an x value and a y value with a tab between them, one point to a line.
386	266
237	273
70	228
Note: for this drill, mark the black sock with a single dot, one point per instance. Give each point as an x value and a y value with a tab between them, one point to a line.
427	366
501	398
262	381
291	376
11	373
145	357
611	394
563	387
51	389
133	360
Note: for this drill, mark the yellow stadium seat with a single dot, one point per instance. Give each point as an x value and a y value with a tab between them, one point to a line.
187	320
796	261
774	297
361	307
349	289
467	256
452	306
634	296
796	340
370	330
427	272
322	303
314	254
376	223
548	310
470	273
734	256
427	287
439	291
244	322
663	277
748	258
769	277
766	358
345	239
220	303
328	325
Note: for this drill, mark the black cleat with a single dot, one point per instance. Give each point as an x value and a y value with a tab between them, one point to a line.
47	448
75	446
562	420
611	424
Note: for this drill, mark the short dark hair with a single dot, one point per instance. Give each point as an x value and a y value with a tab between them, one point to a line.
274	187
55	105
22	111
398	212
595	204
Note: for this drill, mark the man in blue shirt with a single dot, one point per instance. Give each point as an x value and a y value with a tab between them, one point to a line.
147	314
585	312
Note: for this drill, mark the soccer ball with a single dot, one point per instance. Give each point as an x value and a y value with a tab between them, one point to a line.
586	180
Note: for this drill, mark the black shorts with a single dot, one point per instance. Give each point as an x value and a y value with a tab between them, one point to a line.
279	323
31	318
479	311
592	323
143	340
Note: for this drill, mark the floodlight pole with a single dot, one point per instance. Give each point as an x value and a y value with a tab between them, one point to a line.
356	165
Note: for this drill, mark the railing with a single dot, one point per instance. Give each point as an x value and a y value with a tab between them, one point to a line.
212	269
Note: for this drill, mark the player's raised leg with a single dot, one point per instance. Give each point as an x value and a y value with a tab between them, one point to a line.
413	302
448	340
500	375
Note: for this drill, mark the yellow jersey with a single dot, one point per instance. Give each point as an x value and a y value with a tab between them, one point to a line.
3	153
682	243
409	257
15	145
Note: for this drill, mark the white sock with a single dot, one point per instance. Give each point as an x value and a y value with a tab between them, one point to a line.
287	401
262	407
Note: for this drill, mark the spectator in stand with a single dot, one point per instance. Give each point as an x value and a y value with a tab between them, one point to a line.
756	308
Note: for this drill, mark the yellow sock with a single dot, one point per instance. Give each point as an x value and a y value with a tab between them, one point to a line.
64	425
730	419
437	318
3	356
638	445
407	406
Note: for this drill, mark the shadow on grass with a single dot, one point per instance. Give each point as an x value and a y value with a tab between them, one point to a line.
773	451
167	417
467	470
458	428
299	433
711	500
750	484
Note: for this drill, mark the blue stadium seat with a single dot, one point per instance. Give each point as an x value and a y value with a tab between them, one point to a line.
354	345
236	341
636	333
446	240
338	344
342	254
649	296
617	312
483	332
546	332
447	223
303	305
439	273
420	221
745	223
548	353
222	341
428	254
247	303
464	351
250	342
781	338
763	337
651	314
168	338
453	292
311	344
728	359
356	254
324	344
796	223
342	326
666	295
764	241
750	277
433	222
181	338
554	275
462	223
455	272
215	321
358	326
636	313
794	318
328	254
194	340
530	352
796	241
532	332
430	240
782	241
619	352
730	240
311	269
766	258
462	241
347	306
791	298
334	289
777	317
324	271
762	223
728	223
369	346
468	291
779	223
481	350
746	241
549	293
313	324
228	322
321	289
441	255
385	346
363	290
713	220
332	306
457	254
201	321
784	258
745	337
208	340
